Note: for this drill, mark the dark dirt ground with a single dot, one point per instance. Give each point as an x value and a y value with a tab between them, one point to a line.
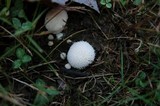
128	33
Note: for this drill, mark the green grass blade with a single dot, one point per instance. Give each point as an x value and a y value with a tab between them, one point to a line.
34	23
34	43
109	96
8	3
43	58
5	21
141	97
122	67
9	52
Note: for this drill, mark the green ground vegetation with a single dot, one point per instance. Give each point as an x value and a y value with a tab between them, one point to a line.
126	71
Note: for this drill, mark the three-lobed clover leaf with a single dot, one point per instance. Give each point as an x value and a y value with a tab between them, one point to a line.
22	58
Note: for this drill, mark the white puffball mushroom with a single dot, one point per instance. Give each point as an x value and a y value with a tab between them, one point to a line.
67	66
50	43
50	37
56	19
80	54
63	55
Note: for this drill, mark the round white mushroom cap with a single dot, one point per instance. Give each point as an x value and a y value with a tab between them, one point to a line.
80	54
56	19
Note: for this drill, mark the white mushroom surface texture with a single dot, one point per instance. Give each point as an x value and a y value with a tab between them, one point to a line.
55	20
80	54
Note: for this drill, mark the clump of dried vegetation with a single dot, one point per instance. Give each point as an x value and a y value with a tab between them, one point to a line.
126	71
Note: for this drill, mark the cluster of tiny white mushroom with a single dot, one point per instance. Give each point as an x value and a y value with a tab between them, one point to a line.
81	53
50	38
55	22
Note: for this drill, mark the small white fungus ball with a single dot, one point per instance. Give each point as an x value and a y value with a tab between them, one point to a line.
69	41
80	54
50	43
50	37
67	66
59	36
63	55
